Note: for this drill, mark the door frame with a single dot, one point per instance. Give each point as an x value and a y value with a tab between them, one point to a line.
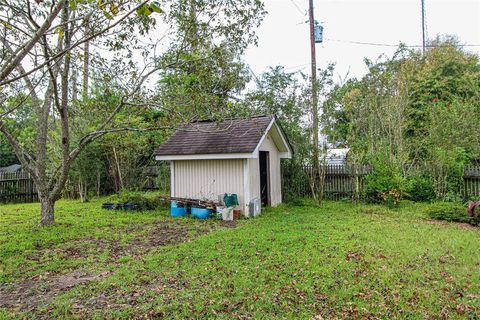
262	155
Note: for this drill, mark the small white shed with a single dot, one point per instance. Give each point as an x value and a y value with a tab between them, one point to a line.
240	156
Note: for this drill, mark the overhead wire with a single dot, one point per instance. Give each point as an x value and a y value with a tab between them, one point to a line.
394	45
303	13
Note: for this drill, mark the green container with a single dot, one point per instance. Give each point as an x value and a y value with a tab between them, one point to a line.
230	200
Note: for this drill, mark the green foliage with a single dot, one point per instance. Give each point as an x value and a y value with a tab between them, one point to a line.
207	66
419	188
7	156
418	110
391	198
448	171
385	183
449	211
144	201
293	176
282	93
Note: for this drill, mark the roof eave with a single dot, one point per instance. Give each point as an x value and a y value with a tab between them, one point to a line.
213	156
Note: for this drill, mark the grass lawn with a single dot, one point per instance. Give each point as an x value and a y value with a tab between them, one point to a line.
337	261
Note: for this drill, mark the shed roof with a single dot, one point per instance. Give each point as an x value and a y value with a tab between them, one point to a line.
229	137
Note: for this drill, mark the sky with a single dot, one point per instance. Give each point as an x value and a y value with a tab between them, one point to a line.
283	37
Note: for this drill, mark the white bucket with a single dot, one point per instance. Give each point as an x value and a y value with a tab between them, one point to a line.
219	212
227	214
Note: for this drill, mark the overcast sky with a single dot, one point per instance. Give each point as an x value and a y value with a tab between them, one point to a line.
284	35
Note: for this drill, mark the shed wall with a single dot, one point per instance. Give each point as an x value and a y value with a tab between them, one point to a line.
206	179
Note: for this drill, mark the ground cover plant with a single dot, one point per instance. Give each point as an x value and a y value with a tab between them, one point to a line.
339	260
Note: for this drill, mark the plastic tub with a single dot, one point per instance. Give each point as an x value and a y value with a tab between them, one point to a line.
130	207
108	206
201	213
176	211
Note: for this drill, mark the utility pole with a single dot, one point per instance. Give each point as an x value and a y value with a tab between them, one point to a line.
314	88
423	26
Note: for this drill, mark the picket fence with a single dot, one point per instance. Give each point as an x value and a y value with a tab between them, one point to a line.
17	187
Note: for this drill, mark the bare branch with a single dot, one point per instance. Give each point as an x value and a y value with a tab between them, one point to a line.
68	49
29	45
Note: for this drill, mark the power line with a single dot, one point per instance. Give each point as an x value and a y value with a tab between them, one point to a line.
396	45
253	73
298	8
298	66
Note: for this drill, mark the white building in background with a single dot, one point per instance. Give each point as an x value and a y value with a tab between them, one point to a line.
337	156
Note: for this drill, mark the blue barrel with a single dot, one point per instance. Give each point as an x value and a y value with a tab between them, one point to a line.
176	211
201	213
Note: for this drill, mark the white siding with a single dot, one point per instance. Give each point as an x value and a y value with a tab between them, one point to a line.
206	179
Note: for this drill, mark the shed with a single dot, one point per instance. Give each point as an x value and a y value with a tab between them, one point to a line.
240	156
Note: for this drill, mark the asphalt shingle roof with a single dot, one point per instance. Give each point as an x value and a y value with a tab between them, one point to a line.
229	136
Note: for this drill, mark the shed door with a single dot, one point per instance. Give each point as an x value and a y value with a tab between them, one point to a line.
264	158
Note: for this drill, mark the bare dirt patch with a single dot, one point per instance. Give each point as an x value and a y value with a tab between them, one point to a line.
33	292
460	225
40	290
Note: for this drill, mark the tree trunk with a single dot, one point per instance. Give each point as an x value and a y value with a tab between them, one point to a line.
98	183
47	211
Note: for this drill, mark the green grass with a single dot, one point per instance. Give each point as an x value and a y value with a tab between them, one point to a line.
336	261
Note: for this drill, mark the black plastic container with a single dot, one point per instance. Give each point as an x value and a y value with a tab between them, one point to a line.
108	206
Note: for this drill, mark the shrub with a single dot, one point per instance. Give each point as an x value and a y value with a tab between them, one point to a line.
448	211
419	188
385	183
144	201
391	198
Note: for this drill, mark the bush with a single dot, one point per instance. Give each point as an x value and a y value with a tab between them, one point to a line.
448	211
144	201
419	188
391	198
385	184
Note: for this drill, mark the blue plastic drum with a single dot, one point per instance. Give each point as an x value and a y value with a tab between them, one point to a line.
201	213
176	211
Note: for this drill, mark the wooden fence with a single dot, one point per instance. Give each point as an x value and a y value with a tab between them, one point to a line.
17	187
348	181
471	182
340	181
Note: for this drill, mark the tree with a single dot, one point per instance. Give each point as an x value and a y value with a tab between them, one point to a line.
40	42
282	93
41	49
396	106
412	110
211	73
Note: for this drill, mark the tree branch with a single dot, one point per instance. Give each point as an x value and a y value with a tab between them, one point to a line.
63	52
29	45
